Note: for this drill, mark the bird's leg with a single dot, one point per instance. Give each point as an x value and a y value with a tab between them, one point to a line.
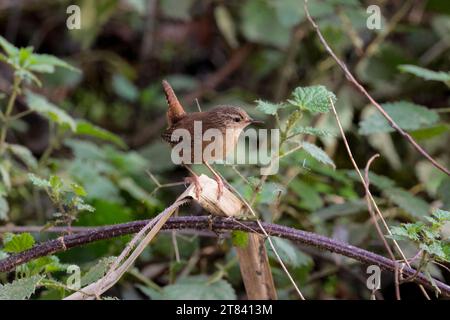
220	184
193	179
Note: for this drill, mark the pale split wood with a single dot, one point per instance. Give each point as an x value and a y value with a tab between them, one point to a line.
253	259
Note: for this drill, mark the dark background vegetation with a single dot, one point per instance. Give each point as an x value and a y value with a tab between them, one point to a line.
232	52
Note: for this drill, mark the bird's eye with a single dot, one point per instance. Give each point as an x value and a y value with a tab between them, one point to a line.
237	119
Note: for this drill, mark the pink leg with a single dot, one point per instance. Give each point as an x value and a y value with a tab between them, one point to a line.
194	179
220	184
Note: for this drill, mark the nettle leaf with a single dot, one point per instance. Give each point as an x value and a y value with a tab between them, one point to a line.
39	182
407	115
289	253
313	99
10	49
311	131
198	288
78	190
435	249
97	271
20	289
415	206
426	74
318	154
87	128
46	63
4	209
14	243
125	88
42	106
23	154
441	215
379	181
259	24
269	107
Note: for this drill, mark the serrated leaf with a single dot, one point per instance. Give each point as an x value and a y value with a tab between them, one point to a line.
198	288
10	49
441	215
20	289
317	153
97	271
78	190
407	115
239	238
415	206
14	243
434	248
46	63
313	99
55	183
42	106
269	107
426	74
23	154
4	209
87	128
311	131
39	182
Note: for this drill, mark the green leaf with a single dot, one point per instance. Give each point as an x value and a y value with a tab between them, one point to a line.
289	253
125	88
39	182
97	271
379	181
425	73
78	190
268	107
55	183
198	288
311	131
14	243
441	215
340	210
10	49
317	153
87	128
20	289
313	99
23	154
407	115
416	207
260	24
239	238
434	248
46	63
4	209
41	105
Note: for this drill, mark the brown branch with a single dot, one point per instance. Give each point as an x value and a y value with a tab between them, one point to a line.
352	79
218	224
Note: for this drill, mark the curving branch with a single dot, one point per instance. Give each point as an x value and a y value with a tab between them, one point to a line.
218	225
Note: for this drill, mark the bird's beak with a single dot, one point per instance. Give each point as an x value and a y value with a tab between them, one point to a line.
251	121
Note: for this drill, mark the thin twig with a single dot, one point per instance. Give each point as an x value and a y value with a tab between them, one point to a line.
377	226
366	188
352	79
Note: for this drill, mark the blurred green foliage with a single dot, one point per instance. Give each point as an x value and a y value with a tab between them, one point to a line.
82	112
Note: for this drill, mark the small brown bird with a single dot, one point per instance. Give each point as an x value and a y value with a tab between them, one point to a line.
229	120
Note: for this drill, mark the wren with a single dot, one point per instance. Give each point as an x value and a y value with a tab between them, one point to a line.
228	120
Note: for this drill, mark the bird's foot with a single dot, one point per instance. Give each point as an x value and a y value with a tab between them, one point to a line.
197	187
220	187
